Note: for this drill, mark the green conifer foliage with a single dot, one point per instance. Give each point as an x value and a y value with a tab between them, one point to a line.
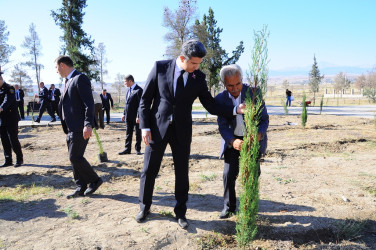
304	111
246	226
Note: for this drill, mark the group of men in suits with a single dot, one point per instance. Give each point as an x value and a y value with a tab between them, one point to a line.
163	111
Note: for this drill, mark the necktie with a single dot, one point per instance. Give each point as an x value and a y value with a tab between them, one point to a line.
18	96
179	84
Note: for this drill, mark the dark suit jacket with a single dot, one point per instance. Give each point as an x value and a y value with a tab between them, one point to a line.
132	104
158	102
77	103
22	94
43	95
106	102
9	116
227	125
57	94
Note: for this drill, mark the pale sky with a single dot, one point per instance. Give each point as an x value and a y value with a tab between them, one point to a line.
338	32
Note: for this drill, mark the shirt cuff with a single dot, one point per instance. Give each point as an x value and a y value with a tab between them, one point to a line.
145	129
234	111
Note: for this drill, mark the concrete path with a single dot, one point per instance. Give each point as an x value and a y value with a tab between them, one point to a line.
366	111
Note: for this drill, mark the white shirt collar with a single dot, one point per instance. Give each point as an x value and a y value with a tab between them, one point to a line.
70	74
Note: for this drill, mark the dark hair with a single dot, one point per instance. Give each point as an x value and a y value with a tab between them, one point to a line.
64	59
105	90
193	48
129	78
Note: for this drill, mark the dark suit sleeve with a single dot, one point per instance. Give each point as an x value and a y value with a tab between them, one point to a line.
147	98
22	94
84	90
112	102
211	105
57	93
139	95
9	98
225	130
45	94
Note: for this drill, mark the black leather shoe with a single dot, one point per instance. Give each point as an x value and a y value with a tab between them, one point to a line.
139	153
226	214
183	223
93	187
6	164
75	194
18	163
53	120
124	152
37	120
141	216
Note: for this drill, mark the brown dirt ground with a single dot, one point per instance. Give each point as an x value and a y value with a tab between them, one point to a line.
317	185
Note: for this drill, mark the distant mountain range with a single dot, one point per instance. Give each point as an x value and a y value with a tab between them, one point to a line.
328	71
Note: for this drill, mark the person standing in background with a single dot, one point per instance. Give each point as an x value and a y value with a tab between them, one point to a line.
20	94
9	124
130	115
106	100
54	98
43	100
98	113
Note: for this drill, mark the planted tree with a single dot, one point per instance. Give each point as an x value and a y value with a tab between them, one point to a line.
315	79
341	82
321	103
5	49
102	156
304	111
33	51
75	40
246	227
369	85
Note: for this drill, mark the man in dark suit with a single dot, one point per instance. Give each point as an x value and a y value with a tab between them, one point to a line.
54	98
231	130
106	100
44	103
19	94
76	110
130	115
9	124
166	118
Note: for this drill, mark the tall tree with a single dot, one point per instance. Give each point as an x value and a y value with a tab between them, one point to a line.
285	84
76	42
100	57
209	34
5	49
33	50
19	76
341	82
179	24
118	85
315	79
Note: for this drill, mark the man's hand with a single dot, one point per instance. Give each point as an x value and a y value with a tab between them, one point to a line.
241	108
137	120
87	132
1	110
146	136
237	144
123	118
35	95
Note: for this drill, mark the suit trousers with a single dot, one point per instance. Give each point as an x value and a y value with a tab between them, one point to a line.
9	139
230	174
107	114
20	106
152	162
54	107
98	115
83	172
43	106
128	139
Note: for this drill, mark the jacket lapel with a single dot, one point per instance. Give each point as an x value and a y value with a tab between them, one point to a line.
170	76
70	82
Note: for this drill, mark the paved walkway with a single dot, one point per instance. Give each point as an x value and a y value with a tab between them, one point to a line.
365	111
